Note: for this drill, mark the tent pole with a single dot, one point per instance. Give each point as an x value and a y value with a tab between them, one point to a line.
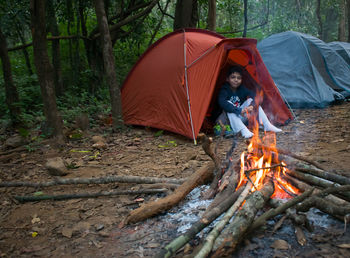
290	108
187	91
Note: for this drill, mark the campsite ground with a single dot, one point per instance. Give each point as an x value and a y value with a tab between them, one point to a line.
89	227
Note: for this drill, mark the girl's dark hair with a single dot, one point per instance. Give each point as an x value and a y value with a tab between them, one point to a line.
234	69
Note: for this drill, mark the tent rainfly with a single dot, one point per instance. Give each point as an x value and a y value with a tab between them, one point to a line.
307	71
174	84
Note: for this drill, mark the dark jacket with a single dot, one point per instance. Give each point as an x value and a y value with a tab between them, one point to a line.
236	98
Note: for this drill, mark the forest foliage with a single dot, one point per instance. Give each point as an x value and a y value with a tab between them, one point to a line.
84	90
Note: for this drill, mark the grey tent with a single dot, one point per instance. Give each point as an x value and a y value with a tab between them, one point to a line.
306	70
342	48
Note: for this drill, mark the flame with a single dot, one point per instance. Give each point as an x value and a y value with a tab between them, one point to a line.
261	160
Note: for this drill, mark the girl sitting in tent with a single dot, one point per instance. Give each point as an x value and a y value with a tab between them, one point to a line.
238	104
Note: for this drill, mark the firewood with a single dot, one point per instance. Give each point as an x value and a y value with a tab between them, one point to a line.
93	180
211	213
304	187
200	177
323	205
325	175
209	240
86	195
244	218
288	153
280	209
319	182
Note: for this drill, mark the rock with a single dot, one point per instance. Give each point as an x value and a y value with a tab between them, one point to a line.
14	142
56	167
100	145
98	138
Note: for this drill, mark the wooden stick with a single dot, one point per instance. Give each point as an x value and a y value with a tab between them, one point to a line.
325	175
209	216
245	216
92	180
280	209
202	176
319	182
288	153
323	205
209	241
85	195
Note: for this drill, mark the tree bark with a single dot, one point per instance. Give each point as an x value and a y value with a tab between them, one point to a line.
325	175
109	64
44	68
239	226
212	15
245	4
56	51
85	195
342	21
11	92
94	180
202	176
319	18
186	14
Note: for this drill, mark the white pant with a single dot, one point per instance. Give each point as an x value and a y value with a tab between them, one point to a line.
236	120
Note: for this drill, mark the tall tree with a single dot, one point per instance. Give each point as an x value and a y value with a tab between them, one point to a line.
44	68
56	50
186	14
245	6
319	18
11	92
109	64
212	15
342	21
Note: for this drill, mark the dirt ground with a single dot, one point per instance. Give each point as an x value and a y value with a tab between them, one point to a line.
89	227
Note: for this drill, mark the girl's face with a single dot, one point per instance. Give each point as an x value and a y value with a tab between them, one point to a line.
234	79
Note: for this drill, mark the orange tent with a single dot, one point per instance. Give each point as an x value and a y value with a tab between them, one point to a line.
174	84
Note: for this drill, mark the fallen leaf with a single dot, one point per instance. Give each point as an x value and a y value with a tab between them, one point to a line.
344	245
280	244
67	232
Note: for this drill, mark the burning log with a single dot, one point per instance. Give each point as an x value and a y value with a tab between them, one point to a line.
239	226
304	187
319	182
325	175
288	153
148	210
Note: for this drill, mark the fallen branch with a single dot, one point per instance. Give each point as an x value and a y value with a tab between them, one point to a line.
313	180
280	209
288	153
202	176
323	205
325	175
98	180
245	216
85	195
209	241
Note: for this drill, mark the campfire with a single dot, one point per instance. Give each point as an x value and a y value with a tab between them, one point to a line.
258	164
250	190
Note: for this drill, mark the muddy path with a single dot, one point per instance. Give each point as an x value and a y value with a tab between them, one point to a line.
89	227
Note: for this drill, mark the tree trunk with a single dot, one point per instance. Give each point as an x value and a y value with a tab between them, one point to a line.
212	15
44	68
348	17
109	64
342	21
319	18
24	50
56	56
245	4
10	89
186	14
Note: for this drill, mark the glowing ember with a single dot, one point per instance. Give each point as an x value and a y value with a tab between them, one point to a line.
261	161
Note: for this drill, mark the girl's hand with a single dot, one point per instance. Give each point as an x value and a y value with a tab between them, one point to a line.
248	109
